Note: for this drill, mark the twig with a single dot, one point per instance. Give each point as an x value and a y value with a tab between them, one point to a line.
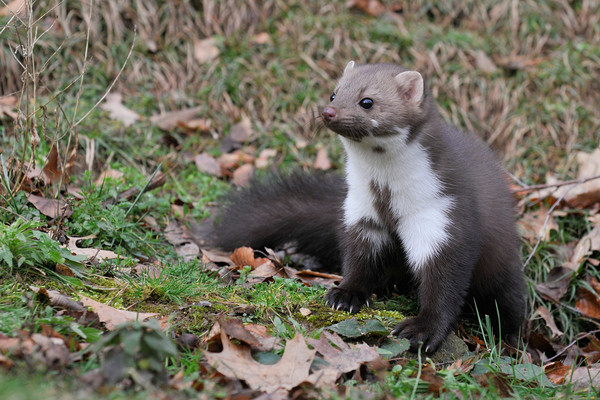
558	184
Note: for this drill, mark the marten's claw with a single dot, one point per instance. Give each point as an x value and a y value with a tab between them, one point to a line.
346	300
421	332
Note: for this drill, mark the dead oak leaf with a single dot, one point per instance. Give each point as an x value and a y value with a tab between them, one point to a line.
111	316
117	111
236	362
340	356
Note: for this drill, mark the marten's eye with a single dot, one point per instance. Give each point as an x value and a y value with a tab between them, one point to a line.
366	103
332	97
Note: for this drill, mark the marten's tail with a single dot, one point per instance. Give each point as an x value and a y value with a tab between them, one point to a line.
302	210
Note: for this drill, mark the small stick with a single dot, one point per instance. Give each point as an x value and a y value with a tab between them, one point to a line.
558	184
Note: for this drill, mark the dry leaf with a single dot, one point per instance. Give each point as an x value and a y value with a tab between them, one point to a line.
483	62
556	285
576	195
52	208
340	356
322	160
170	120
243	256
15	7
241	131
113	317
51	170
200	125
91	253
373	8
236	362
7	106
586	245
264	158
532	223
205	50
261	38
109	173
179	236
588	303
584	378
313	277
518	62
556	372
207	164
550	323
242	175
116	110
231	161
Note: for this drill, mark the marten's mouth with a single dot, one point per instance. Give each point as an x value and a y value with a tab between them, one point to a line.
346	130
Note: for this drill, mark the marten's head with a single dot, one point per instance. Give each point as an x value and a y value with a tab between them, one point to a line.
377	100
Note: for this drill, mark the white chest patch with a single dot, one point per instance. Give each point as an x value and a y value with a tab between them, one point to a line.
417	201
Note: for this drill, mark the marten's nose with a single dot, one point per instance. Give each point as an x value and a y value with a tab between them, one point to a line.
329	113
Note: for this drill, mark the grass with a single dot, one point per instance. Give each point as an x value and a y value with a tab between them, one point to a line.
536	105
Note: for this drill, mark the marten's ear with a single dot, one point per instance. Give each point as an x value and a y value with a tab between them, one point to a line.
410	85
349	66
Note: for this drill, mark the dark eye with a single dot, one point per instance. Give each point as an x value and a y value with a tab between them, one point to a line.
366	103
332	97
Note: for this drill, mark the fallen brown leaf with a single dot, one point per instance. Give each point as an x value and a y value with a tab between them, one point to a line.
373	8
113	317
243	174
7	106
550	323
207	164
243	256
91	253
322	160
205	50
236	362
556	372
242	131
263	159
117	111
170	120
15	7
532	223
556	285
586	245
340	356
109	173
261	38
588	303
179	236
483	62
52	208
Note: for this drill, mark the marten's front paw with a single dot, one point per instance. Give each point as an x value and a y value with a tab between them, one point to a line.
347	300
421	330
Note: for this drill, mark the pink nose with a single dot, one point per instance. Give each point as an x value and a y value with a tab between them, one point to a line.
329	113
